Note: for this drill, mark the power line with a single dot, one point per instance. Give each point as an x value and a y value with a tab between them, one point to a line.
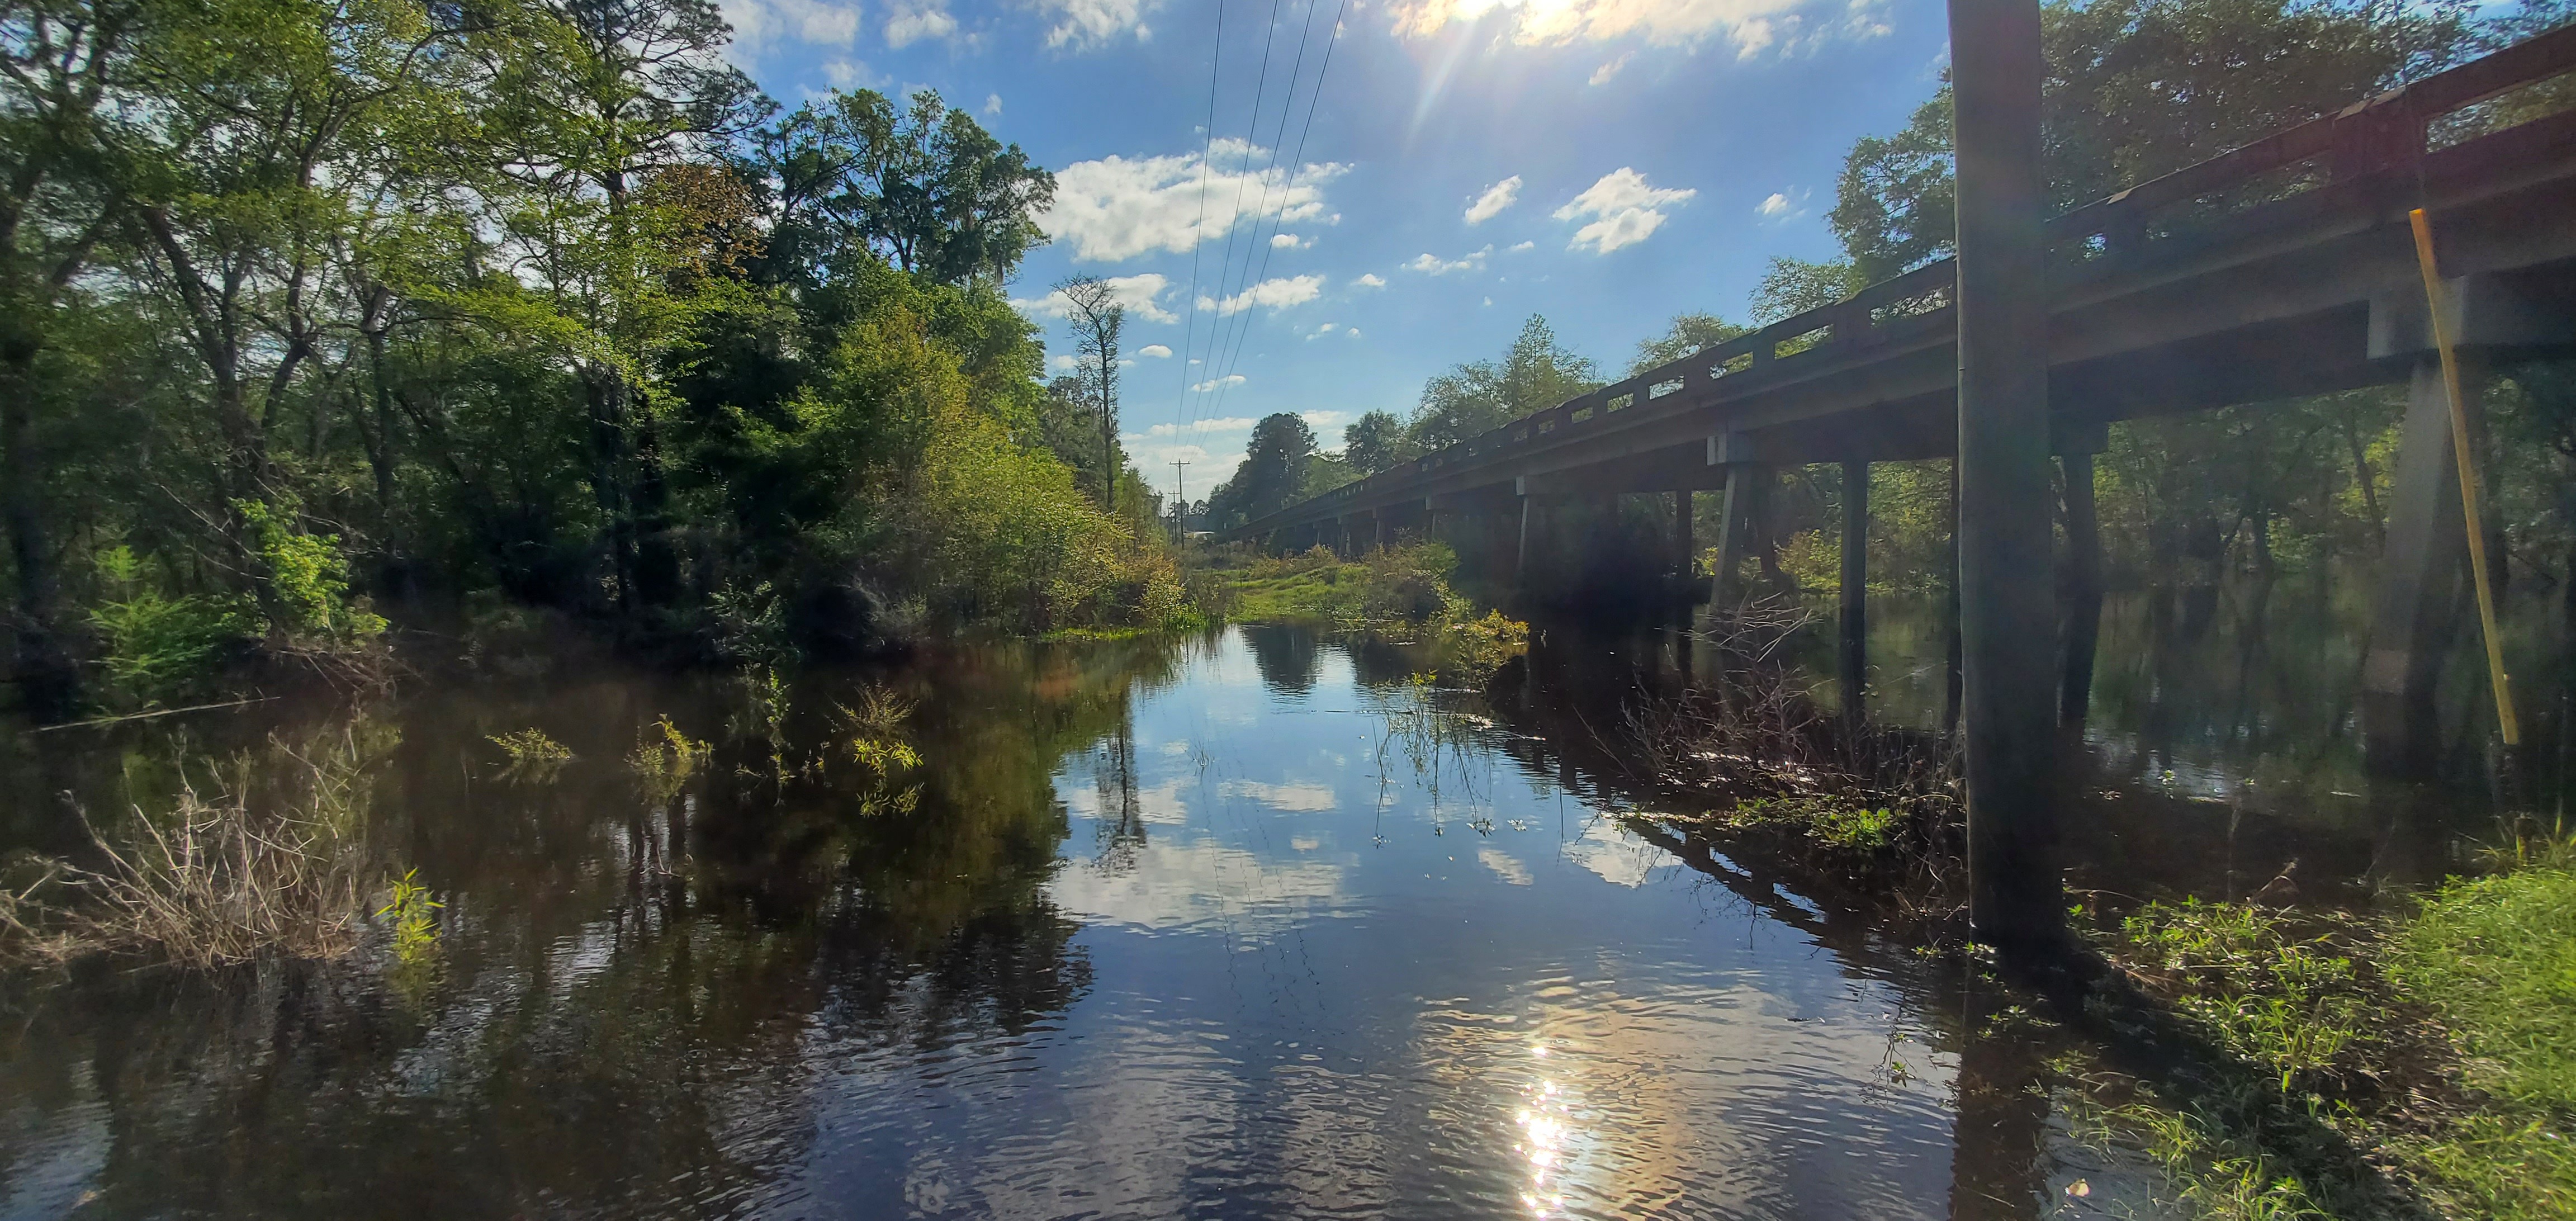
1287	107
1207	142
1252	128
1308	129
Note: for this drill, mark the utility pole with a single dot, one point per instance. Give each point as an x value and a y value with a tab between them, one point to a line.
1180	503
2005	604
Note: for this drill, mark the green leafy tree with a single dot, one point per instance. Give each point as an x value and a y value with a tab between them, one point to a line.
1687	333
1536	373
1272	474
1375	442
924	186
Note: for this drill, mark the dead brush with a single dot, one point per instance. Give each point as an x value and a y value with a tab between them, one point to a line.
1759	741
212	882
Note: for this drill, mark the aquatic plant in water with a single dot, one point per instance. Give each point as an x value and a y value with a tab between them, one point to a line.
213	880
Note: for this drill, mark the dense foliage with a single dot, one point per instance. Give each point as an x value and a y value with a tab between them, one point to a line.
309	305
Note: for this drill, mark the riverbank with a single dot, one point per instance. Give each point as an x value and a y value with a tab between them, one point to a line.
2360	1067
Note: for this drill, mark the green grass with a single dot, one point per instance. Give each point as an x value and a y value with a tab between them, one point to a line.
2441	1043
1314	596
2495	958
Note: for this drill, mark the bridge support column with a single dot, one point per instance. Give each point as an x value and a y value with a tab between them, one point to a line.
1739	510
1520	550
2005	598
2082	592
1683	545
1852	628
2421	583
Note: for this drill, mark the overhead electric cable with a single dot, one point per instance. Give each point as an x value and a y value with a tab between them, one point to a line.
1294	163
1287	106
1207	143
1251	129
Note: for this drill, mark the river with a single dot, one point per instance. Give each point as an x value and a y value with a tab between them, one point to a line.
1248	924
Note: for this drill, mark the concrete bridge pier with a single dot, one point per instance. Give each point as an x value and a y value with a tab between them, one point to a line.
1740	504
1852	624
1684	505
2422	582
2079	581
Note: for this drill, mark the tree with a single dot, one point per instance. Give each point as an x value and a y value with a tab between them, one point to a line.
1791	287
1535	374
1375	442
1687	333
2137	88
926	187
1271	476
63	67
1098	322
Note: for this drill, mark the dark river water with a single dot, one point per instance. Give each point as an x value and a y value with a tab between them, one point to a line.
1242	925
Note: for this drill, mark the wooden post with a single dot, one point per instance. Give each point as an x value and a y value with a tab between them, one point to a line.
2418	608
2083	626
1853	627
2005	600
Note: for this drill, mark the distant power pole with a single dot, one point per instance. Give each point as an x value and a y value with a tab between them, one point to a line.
1180	502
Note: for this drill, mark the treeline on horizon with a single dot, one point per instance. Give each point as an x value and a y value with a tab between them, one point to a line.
2135	89
315	312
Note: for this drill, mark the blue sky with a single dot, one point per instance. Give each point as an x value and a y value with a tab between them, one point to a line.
1607	163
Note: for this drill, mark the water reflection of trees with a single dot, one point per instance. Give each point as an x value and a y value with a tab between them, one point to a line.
630	985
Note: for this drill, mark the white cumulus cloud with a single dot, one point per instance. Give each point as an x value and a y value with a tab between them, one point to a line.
846	74
1608	72
1370	280
1432	264
1084	24
1750	26
1155	350
1496	198
1782	206
992	103
1230	379
1223	424
1625	209
1116	208
1518	247
913	20
759	25
1288	241
1141	294
1276	294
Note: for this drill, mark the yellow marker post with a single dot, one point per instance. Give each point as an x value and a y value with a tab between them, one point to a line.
2468	476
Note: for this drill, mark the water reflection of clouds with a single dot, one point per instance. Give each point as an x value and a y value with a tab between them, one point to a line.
1167	886
1615	856
1505	866
1294	797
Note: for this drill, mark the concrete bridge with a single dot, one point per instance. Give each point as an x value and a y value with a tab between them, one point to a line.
2211	286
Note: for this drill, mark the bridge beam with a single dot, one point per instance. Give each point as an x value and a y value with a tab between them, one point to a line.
2004	544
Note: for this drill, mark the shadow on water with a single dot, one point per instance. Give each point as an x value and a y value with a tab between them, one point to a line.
1245	924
